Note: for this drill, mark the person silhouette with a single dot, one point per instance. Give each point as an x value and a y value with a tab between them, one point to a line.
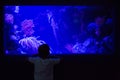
43	65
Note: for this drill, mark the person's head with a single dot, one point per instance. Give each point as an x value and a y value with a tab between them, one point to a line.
9	18
100	20
43	51
27	27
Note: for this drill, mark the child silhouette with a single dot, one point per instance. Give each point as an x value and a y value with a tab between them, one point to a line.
42	64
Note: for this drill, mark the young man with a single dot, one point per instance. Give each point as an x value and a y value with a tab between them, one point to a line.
43	65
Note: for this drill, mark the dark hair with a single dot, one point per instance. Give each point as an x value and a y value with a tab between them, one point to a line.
43	51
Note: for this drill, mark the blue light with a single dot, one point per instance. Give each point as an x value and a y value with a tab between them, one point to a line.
61	30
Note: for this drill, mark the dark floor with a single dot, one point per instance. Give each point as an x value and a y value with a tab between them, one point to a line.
70	68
